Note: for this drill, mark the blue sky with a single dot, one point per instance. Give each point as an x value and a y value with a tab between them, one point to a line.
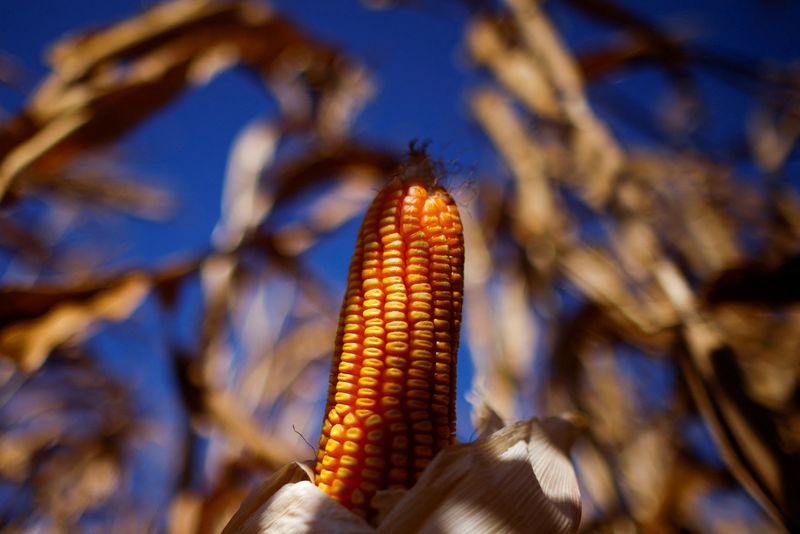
423	78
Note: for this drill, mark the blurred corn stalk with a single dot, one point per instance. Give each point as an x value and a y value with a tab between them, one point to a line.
241	420
667	288
669	316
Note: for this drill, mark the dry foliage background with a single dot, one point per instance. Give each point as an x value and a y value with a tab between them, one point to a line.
655	289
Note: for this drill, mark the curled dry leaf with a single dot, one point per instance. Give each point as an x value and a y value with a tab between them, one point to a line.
29	342
518	479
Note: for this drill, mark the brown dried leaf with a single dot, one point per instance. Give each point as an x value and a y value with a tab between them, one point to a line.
513	68
243	205
29	342
144	63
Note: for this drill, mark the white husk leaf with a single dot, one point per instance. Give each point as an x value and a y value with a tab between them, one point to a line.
519	479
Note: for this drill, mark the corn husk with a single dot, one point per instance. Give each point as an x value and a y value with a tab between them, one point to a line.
518	479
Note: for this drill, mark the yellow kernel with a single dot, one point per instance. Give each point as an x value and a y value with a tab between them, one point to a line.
373	293
350	420
422	344
338	487
392	388
397	325
347	367
363	414
395	361
344	472
344	397
370	372
348	461
348	357
396	347
394	372
328	461
373	420
373	342
337	432
374	331
332	446
326	476
370	283
393	270
345	386
350	447
386	239
390	401
354	433
397	336
421	354
367	381
366	403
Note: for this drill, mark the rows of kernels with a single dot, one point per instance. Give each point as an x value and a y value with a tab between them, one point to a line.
455	242
389	405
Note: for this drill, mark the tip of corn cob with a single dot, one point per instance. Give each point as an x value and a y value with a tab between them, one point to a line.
391	400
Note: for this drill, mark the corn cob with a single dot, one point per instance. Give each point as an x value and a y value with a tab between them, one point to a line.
391	398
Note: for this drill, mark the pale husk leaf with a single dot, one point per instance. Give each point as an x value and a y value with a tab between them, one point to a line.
518	479
288	502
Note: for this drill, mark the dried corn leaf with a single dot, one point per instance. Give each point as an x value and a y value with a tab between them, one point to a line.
29	342
772	139
743	430
144	63
513	68
243	205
